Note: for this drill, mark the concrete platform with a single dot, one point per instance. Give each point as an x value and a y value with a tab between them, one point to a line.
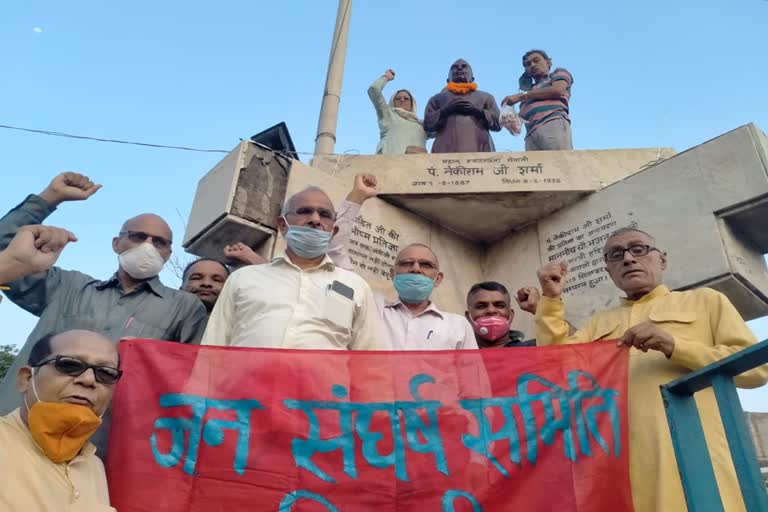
707	206
462	191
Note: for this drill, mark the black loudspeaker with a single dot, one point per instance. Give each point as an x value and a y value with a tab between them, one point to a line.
277	138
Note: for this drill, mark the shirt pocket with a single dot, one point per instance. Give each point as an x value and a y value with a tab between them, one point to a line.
607	330
338	311
680	324
89	322
677	317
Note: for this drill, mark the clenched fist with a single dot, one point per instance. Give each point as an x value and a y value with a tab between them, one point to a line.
363	189
69	186
552	279
528	299
241	253
33	249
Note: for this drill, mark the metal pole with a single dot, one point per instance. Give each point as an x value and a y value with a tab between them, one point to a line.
326	125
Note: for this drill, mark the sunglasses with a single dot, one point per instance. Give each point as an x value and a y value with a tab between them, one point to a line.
66	365
140	237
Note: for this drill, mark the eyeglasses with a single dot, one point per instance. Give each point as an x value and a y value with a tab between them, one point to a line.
66	365
409	264
323	213
617	254
140	237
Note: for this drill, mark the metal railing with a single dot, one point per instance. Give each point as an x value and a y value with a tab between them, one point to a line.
693	461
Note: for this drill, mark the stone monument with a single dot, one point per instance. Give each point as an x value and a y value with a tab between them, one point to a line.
500	216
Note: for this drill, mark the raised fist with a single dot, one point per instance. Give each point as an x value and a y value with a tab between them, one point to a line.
69	186
36	248
552	278
243	254
363	189
528	299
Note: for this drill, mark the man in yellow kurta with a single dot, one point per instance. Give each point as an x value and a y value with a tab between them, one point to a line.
47	462
668	334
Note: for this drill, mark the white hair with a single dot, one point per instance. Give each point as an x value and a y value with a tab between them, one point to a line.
628	229
289	203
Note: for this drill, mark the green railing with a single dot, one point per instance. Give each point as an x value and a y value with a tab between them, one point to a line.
693	461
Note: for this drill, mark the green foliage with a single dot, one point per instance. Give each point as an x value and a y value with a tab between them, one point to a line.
7	355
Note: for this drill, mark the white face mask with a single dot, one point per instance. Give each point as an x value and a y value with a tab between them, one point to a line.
141	262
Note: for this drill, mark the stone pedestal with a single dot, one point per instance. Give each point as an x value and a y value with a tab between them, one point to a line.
484	196
500	216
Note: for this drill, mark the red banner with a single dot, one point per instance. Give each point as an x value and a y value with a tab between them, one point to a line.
205	429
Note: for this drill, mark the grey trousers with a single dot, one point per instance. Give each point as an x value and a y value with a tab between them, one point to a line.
552	135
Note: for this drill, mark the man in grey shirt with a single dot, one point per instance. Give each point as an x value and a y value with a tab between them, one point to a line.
131	303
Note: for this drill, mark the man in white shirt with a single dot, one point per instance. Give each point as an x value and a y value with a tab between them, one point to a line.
413	322
300	299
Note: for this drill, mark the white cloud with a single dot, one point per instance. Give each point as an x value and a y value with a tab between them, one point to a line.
37	30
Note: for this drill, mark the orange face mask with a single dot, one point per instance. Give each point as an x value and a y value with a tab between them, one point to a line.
60	429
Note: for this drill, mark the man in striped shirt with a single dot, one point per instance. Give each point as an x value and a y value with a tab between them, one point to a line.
544	103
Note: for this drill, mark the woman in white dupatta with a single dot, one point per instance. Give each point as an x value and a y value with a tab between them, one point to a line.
401	130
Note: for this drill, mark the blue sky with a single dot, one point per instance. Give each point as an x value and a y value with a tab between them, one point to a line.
206	74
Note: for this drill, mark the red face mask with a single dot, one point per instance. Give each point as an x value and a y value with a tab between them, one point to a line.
491	328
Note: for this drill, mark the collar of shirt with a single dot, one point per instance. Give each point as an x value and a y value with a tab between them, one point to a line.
154	284
517	339
87	450
283	258
659	291
430	309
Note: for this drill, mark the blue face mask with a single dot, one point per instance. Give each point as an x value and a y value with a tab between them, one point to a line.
307	242
413	288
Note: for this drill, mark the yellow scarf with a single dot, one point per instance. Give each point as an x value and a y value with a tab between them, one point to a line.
461	87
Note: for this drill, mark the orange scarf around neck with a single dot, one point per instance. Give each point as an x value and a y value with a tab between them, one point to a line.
461	87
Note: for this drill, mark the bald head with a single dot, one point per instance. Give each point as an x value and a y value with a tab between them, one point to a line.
461	71
310	194
418	259
83	338
138	230
628	230
310	208
418	250
148	223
